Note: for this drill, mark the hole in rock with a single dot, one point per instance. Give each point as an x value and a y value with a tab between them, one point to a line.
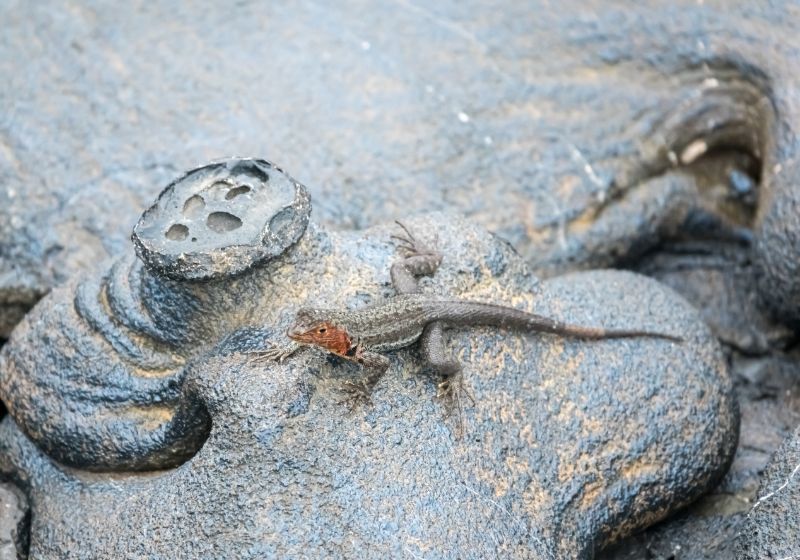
221	222
219	187
282	220
191	428
701	247
246	168
177	232
237	191
193	206
719	213
727	181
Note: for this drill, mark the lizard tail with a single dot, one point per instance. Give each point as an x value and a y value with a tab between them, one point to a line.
475	313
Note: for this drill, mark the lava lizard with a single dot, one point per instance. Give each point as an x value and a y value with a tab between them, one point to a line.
364	335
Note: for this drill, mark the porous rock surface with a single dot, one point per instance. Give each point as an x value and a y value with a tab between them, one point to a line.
570	445
94	374
549	126
14	523
771	528
568	131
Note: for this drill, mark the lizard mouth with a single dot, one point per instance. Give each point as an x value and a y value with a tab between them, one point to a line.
299	334
295	334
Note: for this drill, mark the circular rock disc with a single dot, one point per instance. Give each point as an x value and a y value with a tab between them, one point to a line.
220	219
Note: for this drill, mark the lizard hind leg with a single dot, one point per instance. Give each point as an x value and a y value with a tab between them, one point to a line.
451	389
406	238
418	260
409	244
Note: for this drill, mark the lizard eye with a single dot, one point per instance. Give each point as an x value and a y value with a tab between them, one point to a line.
323	330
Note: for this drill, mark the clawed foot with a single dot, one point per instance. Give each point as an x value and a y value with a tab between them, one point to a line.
271	354
409	243
357	394
451	390
452	387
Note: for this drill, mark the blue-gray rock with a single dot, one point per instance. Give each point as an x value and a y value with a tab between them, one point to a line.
766	387
15	520
569	131
499	118
771	528
221	219
570	445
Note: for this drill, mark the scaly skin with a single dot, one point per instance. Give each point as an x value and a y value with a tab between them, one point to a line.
363	335
401	320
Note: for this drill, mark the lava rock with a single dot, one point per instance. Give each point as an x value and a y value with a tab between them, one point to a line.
569	131
778	240
220	219
717	278
137	327
570	444
770	530
14	523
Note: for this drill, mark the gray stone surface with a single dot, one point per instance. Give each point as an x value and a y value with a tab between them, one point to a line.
546	125
771	527
570	445
714	272
569	131
769	399
14	523
220	219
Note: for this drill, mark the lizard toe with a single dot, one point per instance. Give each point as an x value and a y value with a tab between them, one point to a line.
356	395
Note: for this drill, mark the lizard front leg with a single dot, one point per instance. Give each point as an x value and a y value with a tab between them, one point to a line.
275	353
451	388
374	366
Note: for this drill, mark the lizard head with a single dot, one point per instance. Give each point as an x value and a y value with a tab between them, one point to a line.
314	328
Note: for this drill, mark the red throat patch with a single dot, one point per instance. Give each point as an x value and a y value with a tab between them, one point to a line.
327	336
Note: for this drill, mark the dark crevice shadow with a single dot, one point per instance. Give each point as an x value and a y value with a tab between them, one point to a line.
188	431
720	216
